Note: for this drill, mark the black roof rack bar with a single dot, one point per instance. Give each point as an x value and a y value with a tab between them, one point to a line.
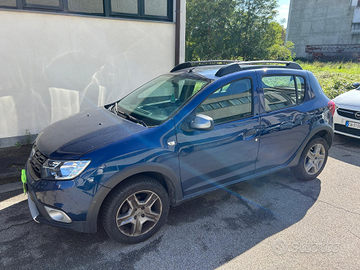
288	64
201	63
238	66
228	69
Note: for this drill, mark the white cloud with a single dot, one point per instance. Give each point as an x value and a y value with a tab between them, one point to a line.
283	12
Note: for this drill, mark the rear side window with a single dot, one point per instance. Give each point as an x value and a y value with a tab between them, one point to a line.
283	91
229	103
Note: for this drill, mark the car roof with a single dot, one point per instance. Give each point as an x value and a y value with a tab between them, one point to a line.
215	69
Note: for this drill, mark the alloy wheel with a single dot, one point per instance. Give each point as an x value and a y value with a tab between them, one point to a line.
139	213
315	159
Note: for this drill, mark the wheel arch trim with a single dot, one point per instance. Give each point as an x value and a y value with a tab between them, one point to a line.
315	130
172	181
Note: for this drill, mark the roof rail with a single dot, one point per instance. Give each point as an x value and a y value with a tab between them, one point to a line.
288	64
232	66
201	63
238	66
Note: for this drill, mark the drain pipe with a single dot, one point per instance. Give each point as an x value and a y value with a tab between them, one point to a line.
177	32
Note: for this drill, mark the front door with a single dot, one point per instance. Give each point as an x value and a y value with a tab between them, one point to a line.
209	158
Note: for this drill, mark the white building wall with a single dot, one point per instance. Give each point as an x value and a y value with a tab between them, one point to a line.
52	66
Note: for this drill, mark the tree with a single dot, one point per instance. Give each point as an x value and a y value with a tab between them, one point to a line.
234	29
253	18
208	28
278	49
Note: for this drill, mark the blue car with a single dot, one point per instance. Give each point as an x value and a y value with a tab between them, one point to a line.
202	126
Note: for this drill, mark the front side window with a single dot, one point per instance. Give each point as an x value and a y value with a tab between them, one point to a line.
157	100
282	91
229	103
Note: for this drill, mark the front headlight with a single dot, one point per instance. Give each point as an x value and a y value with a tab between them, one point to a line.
32	153
63	170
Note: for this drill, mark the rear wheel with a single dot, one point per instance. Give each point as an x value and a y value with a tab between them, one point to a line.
312	160
135	210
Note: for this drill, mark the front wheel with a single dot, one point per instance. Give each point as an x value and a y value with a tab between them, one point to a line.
136	210
312	160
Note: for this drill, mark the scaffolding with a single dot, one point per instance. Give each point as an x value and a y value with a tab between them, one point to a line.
335	52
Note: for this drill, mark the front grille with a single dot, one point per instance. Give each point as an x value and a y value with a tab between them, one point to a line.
37	161
347	113
347	130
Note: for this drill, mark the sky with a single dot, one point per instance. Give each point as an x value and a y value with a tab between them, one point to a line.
283	10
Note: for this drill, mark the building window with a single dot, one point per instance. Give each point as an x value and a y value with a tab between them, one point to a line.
136	9
155	7
86	6
355	3
8	3
144	9
125	6
43	4
355	28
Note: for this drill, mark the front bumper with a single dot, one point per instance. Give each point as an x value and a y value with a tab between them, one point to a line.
33	209
341	128
72	198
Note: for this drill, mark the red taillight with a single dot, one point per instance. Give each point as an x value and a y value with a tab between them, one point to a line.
331	106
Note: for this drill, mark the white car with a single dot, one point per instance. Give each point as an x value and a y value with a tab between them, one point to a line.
347	113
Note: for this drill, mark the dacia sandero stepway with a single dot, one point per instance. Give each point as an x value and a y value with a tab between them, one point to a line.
202	126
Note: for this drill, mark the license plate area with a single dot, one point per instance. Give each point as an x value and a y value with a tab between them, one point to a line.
352	125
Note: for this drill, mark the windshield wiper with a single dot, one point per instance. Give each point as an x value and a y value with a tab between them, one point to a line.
128	116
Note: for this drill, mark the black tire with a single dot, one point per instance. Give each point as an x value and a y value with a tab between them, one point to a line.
312	160
141	206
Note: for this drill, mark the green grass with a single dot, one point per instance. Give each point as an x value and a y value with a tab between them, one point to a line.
335	77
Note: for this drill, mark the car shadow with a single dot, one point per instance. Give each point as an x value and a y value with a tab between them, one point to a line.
346	149
202	233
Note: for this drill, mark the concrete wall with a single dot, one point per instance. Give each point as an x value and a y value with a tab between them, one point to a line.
321	22
52	66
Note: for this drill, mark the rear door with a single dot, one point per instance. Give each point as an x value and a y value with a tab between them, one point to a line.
285	116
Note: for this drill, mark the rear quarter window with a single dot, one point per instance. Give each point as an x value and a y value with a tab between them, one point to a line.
281	91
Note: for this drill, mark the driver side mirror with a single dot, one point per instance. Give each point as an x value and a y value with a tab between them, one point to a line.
202	122
356	85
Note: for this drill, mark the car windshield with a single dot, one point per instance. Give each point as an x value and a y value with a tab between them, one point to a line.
156	101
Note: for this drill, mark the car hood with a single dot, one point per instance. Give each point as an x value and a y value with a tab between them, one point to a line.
81	133
349	99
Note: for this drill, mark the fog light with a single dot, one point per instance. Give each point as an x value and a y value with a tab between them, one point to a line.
58	215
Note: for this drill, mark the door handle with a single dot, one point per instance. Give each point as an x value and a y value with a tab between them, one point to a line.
249	134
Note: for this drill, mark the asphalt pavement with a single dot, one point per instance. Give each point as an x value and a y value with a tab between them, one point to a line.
274	222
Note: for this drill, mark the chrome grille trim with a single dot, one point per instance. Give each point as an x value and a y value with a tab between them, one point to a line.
37	161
